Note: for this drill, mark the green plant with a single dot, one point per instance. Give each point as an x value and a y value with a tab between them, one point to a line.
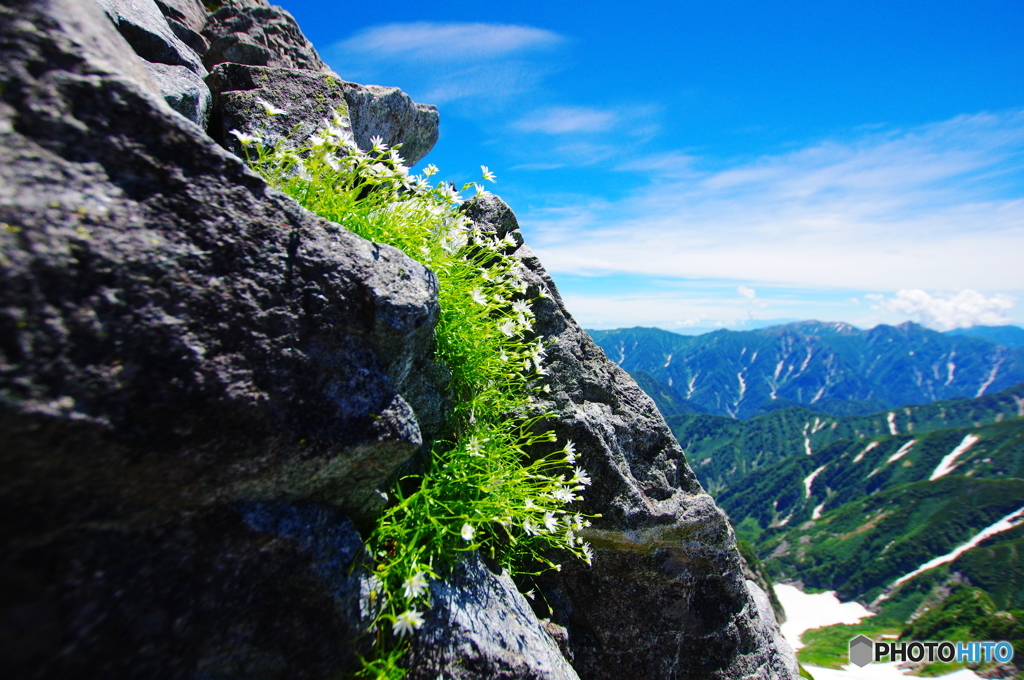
488	484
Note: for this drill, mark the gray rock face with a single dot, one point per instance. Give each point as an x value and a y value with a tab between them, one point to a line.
666	596
183	90
144	27
391	114
245	70
174	64
481	626
311	101
188	13
198	382
160	263
260	36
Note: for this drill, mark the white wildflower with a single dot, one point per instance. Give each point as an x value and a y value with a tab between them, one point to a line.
550	521
317	140
570	452
377	144
580	477
467	532
479	190
564	494
415	585
270	108
508	327
448	192
530	594
588	553
529	527
478	297
430	170
488	175
245	139
407	622
473	448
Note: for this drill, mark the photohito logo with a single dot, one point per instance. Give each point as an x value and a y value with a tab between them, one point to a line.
863	651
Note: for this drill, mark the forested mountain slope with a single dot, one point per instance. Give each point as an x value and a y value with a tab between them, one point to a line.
832	368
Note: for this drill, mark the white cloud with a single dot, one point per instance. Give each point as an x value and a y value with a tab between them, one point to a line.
441	63
564	120
748	293
428	42
936	207
947	311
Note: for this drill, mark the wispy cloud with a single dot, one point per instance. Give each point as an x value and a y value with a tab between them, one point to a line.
946	311
428	42
445	62
564	120
937	207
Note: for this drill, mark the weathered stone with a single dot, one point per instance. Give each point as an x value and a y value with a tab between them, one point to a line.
260	36
183	90
253	591
391	114
481	626
311	101
198	380
666	596
188	13
144	27
766	627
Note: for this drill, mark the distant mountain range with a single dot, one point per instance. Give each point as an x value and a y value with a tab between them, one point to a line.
832	368
859	502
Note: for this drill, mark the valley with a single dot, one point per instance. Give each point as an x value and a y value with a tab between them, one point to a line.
913	509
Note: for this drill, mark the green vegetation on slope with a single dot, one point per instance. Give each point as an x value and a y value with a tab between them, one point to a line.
491	482
723	450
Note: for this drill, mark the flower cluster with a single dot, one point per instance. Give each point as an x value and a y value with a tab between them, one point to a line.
488	485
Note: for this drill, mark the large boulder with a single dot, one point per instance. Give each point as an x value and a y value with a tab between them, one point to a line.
259	57
260	36
666	596
171	54
481	626
188	13
389	113
202	385
146	29
305	102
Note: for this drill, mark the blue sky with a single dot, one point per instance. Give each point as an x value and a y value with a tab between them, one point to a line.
700	165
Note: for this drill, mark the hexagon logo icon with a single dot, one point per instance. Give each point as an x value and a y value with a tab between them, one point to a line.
861	650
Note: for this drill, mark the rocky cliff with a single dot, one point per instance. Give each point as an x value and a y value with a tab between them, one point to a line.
203	387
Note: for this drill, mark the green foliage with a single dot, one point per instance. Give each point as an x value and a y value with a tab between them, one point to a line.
488	484
828	647
864	545
967	614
